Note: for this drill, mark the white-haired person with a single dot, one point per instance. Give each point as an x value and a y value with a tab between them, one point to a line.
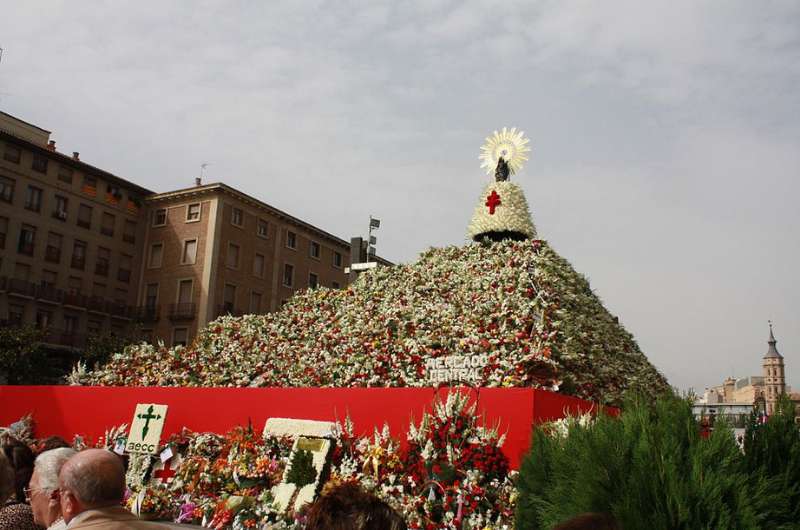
92	485
42	493
14	515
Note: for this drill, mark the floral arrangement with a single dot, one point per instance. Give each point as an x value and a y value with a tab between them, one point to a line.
536	319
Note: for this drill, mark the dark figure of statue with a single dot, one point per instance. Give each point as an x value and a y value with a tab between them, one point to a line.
502	170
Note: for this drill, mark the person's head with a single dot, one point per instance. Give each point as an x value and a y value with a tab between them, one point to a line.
94	478
590	521
52	442
43	494
20	457
7	487
348	507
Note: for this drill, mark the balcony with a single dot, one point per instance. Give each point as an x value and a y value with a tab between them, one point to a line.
52	254
48	293
185	311
107	231
84	223
119	309
78	262
101	268
148	313
61	215
76	299
124	275
21	288
97	304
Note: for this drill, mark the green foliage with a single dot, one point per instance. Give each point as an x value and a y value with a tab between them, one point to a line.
21	355
99	348
649	468
301	471
772	457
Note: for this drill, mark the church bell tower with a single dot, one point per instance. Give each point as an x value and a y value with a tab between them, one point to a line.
774	377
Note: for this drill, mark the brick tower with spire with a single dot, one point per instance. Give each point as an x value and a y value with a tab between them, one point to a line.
774	376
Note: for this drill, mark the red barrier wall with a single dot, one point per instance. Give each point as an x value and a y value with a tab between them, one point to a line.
88	411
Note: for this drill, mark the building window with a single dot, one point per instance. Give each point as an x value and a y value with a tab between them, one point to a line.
93	327
16	314
113	194
185	291
263	228
103	261
39	164
78	255
124	270
156	255
189	254
237	217
89	186
288	275
255	302
49	279
193	212
98	290
337	260
33	200
233	256
229	299
160	217
52	251
74	285
151	295
6	189
314	250
180	336
313	280
291	239
335	285
60	210
71	324
22	271
65	174
85	216
3	231
43	318
27	240
258	265
129	231
12	154
107	222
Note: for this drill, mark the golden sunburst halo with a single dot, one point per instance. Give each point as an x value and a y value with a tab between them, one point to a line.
510	144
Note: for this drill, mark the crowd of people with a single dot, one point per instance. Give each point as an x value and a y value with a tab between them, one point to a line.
61	488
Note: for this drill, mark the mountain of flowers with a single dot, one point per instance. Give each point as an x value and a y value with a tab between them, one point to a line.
519	303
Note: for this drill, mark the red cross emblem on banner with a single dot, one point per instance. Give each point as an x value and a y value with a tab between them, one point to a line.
165	474
493	201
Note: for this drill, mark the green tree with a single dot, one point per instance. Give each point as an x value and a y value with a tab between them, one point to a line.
22	357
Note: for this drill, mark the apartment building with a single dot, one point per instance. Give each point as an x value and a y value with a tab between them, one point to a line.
69	239
212	250
85	252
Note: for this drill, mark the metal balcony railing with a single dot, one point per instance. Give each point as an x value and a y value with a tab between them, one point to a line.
101	268
183	311
78	262
52	254
148	313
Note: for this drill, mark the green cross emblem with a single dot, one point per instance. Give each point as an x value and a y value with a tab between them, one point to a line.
147	417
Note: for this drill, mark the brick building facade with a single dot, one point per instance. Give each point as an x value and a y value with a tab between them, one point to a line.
85	252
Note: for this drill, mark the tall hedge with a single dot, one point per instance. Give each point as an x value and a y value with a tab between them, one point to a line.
650	468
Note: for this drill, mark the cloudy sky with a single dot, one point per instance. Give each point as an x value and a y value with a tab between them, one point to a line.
665	137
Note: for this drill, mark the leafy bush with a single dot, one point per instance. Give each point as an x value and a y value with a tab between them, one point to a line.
649	468
21	355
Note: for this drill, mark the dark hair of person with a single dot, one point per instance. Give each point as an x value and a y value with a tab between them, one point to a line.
21	459
590	521
52	442
348	507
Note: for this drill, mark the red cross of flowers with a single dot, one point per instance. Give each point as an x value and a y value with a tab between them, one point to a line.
493	201
166	473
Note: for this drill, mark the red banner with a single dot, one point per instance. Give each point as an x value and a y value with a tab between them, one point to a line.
88	411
